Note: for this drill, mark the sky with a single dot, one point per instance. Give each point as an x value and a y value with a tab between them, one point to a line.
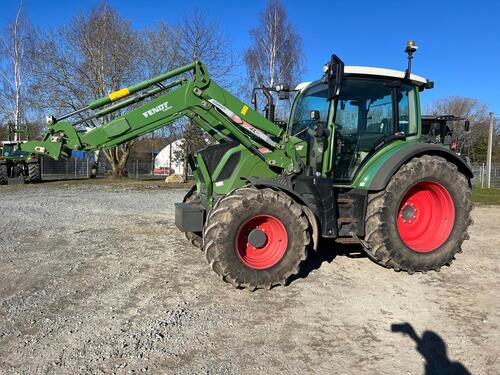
459	41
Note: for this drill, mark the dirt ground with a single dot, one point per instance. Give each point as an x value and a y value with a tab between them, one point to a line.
95	278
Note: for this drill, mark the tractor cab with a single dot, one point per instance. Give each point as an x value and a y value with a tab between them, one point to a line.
373	108
11	149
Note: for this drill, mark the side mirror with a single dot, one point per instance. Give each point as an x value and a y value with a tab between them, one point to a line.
335	76
315	115
467	125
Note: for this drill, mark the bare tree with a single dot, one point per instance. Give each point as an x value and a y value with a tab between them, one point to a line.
95	54
275	55
16	73
471	143
160	53
160	49
201	39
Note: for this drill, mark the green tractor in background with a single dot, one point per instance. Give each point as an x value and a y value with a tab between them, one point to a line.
350	165
15	165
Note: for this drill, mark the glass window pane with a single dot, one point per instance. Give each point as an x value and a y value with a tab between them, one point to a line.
363	119
406	108
312	99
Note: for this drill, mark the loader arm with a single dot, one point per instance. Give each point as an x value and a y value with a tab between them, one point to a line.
165	99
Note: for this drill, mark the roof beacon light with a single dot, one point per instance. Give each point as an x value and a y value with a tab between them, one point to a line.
411	48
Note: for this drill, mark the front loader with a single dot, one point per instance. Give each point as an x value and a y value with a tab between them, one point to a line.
349	165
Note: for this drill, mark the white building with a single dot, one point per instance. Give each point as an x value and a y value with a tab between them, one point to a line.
165	160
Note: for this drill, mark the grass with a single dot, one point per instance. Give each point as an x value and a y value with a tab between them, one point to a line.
486	196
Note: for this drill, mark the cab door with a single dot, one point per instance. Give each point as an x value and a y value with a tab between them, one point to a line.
369	112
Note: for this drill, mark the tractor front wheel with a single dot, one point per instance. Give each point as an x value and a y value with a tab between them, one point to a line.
256	238
419	222
34	172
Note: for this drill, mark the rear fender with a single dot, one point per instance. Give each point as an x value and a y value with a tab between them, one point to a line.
392	165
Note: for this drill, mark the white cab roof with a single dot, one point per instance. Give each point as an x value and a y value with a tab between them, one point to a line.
368	70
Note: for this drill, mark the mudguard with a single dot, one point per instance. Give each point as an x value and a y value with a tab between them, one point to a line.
390	167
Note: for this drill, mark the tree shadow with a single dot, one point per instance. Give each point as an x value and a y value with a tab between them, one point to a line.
327	251
434	350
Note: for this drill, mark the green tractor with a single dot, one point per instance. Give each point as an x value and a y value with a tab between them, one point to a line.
350	165
15	164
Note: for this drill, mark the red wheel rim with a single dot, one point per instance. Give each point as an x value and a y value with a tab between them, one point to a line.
271	251
426	216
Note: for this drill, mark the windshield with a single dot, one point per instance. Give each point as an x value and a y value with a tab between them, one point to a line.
312	99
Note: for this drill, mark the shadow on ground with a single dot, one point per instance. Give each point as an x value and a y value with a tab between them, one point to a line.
327	252
433	349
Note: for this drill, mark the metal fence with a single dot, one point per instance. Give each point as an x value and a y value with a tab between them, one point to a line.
480	175
75	168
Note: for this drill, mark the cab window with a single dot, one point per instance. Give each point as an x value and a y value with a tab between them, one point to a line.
363	118
312	99
407	110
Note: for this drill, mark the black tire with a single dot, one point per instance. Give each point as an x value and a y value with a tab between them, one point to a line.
4	175
383	241
34	172
223	226
195	238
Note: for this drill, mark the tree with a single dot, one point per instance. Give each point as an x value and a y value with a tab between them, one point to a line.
201	39
474	143
95	54
16	73
160	48
275	55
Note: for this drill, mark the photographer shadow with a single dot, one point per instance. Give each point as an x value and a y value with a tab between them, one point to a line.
434	350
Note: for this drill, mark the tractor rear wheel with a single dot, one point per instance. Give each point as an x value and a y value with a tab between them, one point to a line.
194	237
256	238
419	222
4	175
34	172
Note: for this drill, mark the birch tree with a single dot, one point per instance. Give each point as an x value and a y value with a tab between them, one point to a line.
16	72
275	55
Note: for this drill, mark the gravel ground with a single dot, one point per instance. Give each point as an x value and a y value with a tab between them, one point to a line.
95	278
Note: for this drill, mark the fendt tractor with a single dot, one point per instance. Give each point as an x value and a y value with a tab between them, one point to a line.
350	165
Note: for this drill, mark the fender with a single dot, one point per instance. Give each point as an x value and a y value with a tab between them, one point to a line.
390	167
